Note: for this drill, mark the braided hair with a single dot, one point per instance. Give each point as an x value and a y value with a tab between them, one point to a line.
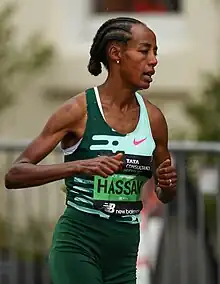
116	29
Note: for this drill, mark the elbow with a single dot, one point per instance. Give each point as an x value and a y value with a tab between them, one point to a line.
11	177
8	183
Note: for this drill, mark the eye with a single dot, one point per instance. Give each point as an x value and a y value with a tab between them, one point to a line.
144	51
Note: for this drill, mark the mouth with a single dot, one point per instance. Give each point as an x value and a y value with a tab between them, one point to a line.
148	76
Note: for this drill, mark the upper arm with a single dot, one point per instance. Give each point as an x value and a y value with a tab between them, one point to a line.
58	125
159	130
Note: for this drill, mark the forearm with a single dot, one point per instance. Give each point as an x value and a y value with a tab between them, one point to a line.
23	175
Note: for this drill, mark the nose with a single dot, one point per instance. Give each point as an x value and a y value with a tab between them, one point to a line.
152	60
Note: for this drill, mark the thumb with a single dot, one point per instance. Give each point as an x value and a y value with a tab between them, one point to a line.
118	157
165	164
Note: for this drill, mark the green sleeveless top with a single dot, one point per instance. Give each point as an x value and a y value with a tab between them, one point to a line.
117	197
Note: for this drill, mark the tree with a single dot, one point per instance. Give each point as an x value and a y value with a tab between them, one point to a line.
17	61
205	113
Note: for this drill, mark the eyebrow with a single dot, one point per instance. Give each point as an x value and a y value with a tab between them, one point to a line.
148	45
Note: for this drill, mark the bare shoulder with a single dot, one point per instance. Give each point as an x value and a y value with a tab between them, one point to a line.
69	113
157	119
62	121
75	105
155	114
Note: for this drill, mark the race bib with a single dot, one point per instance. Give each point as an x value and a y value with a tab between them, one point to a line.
140	165
118	194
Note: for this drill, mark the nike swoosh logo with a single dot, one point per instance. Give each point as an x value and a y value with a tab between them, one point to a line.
137	142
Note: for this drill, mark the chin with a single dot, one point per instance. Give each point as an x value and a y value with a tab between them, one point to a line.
144	86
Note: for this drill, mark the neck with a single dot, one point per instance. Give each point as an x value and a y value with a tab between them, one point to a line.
117	93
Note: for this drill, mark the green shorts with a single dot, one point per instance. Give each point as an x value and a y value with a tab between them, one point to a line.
88	249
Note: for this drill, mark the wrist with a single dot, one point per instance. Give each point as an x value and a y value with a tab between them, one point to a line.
163	195
75	167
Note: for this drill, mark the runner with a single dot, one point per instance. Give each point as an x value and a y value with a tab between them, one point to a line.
110	136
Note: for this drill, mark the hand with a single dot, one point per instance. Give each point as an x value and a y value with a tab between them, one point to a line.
166	175
102	166
167	179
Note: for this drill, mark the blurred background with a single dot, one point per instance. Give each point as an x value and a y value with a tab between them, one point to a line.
44	48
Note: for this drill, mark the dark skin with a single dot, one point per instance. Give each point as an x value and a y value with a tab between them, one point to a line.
131	67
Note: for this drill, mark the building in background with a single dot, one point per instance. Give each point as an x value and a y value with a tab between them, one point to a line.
187	33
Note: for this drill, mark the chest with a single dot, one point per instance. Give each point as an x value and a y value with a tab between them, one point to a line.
122	121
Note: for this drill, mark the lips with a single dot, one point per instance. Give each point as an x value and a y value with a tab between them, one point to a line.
148	76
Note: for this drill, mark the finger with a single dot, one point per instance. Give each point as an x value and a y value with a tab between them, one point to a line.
104	171
103	159
112	165
167	183
114	161
167	169
167	176
99	172
165	164
107	169
118	157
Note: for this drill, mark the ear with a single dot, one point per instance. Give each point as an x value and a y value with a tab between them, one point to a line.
114	51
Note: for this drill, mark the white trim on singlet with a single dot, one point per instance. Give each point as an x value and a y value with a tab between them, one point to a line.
72	149
100	104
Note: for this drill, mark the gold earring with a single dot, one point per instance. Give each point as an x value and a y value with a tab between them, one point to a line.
117	61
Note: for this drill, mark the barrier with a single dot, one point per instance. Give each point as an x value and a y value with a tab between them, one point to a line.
180	242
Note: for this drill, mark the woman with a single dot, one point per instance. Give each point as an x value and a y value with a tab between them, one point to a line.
110	136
